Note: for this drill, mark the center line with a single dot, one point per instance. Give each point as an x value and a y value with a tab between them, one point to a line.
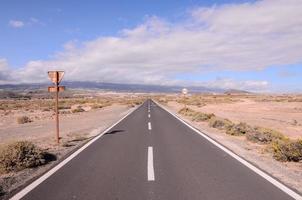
149	115
149	125
150	165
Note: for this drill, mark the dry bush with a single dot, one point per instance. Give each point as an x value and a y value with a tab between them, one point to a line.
78	109
64	107
96	106
264	135
239	129
220	123
287	150
187	112
202	117
23	120
20	155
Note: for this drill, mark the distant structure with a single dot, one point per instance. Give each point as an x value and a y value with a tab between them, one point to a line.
184	91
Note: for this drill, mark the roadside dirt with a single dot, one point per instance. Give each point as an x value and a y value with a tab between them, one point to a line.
290	173
76	129
285	117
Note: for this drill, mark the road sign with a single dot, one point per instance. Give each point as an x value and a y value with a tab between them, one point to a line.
56	76
184	91
55	88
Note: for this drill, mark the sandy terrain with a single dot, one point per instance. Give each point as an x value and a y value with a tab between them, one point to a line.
75	129
289	173
285	117
76	124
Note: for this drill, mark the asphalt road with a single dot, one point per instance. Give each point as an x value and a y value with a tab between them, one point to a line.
152	155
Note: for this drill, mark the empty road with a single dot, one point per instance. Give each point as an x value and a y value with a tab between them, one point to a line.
152	155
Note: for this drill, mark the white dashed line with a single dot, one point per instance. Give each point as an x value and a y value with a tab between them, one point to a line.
150	165
149	126
149	115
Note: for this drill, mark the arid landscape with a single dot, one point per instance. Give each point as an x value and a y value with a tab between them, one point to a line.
264	129
165	100
30	119
83	115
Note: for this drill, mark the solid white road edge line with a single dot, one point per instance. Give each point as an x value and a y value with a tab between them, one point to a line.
264	175
150	165
37	182
149	126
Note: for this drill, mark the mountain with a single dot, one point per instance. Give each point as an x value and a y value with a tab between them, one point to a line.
114	87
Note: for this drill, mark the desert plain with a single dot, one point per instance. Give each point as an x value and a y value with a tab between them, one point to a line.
83	115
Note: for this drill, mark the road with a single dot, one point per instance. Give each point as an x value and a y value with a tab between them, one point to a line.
152	155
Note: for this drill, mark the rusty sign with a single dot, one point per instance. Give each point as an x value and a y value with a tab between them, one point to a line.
56	76
55	89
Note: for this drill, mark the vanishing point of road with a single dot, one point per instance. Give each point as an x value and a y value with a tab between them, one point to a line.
150	154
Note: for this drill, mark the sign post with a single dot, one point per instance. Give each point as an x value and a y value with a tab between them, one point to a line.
56	77
184	91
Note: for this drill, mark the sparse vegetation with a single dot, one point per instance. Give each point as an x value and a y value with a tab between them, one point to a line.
220	123
20	155
283	148
264	135
96	106
287	150
78	109
23	120
187	112
202	117
239	129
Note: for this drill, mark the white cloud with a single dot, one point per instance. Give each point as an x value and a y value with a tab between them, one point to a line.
249	36
250	85
5	73
16	23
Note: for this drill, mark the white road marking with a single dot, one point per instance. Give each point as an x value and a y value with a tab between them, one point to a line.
37	182
149	115
261	173
150	165
149	126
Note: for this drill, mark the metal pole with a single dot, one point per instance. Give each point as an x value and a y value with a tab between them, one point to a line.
185	101
57	109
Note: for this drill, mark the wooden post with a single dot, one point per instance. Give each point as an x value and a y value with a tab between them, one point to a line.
57	110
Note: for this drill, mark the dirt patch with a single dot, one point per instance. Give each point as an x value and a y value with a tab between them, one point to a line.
76	129
288	172
285	117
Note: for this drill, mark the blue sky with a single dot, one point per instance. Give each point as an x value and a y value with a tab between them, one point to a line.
35	35
62	21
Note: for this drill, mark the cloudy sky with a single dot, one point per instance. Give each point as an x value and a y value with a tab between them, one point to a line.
240	44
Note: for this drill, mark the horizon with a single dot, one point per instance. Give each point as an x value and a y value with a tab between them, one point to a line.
237	44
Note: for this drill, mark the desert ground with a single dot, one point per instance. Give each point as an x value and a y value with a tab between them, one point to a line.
32	119
84	115
282	113
278	113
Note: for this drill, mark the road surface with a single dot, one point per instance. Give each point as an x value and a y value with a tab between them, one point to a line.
152	155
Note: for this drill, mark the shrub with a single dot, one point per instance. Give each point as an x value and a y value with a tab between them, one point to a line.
187	112
220	123
264	135
96	106
78	109
64	107
287	150
23	120
20	155
239	129
202	117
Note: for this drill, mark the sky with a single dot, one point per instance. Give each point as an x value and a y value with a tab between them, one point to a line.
229	44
